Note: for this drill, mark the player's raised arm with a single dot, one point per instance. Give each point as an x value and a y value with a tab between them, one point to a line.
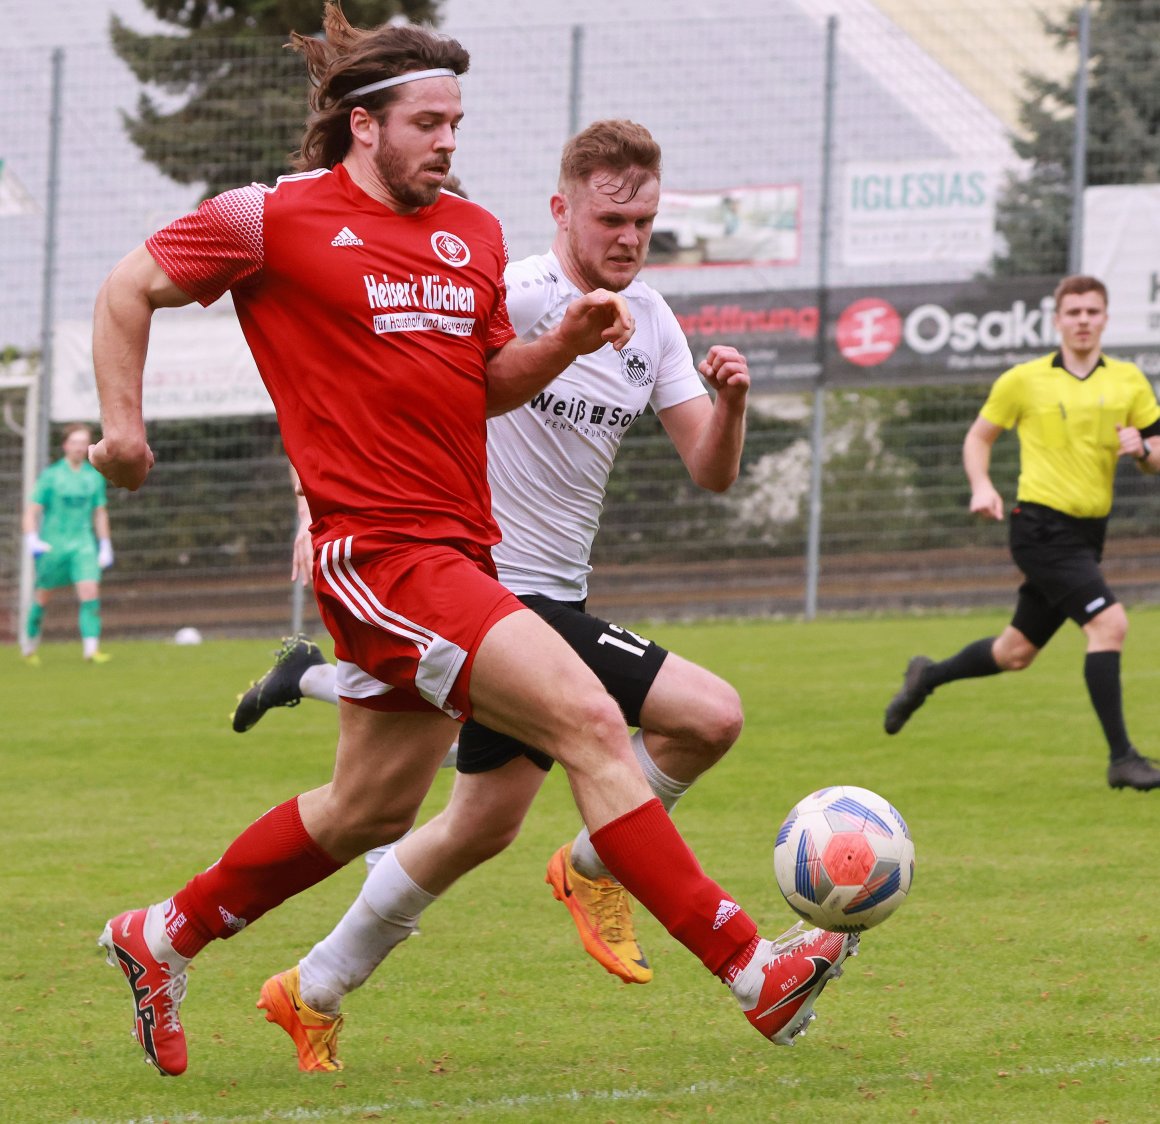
521	368
709	436
124	309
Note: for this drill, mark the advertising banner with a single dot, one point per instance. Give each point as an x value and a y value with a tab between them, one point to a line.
918	211
198	366
962	331
1121	246
739	225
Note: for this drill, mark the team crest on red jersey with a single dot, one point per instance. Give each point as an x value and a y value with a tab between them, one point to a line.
450	249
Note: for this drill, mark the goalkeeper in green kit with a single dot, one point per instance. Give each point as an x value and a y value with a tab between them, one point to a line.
66	531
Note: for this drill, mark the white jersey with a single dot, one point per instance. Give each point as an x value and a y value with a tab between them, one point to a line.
549	460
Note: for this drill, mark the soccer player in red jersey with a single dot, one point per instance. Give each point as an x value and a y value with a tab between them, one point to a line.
373	304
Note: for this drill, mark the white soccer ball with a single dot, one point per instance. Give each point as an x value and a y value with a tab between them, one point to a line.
186	636
844	859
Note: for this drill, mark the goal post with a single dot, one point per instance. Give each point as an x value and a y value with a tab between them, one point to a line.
14	386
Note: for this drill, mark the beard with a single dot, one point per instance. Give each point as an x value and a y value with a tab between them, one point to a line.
393	173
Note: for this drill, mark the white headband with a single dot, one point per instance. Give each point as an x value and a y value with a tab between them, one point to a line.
410	76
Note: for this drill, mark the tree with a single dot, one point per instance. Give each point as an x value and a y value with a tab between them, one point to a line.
1123	135
233	100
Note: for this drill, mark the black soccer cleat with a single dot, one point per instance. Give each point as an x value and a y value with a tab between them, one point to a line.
1133	770
911	697
280	685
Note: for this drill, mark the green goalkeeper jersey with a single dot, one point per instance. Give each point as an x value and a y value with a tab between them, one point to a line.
69	497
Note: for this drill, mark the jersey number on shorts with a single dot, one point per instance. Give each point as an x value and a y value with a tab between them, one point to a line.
619	641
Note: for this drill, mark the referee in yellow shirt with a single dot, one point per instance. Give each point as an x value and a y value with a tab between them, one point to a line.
1077	412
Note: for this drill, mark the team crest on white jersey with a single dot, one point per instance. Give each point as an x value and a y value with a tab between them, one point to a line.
450	249
635	367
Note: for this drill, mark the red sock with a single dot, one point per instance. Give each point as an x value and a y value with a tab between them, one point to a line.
272	860
649	858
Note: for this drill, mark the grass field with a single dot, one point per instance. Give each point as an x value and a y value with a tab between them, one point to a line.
1020	982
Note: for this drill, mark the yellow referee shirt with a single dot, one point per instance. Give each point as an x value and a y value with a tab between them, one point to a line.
1068	446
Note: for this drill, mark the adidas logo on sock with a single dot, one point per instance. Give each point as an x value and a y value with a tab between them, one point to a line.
232	922
724	911
346	237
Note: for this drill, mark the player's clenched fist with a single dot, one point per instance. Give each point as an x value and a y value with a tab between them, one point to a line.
124	464
726	371
597	318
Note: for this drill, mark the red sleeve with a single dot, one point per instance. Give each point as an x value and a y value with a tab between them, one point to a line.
216	247
499	328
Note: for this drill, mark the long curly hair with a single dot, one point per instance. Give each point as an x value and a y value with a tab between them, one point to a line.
349	57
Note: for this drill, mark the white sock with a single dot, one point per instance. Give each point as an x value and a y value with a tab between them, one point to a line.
665	788
157	940
373	856
318	682
747	983
89	646
384	914
29	644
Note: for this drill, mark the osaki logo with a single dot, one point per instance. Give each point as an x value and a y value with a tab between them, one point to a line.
870	330
450	249
635	367
930	328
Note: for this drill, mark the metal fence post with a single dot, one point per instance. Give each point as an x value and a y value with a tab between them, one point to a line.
48	288
1079	144
576	65
297	604
30	467
818	429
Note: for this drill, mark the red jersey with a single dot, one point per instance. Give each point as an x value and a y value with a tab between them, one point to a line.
371	331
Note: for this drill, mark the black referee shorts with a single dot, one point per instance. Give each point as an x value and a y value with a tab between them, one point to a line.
1059	556
625	663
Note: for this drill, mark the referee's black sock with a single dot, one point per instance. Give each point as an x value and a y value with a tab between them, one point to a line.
973	661
1101	672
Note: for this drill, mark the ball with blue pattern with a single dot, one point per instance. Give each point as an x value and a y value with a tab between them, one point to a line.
844	859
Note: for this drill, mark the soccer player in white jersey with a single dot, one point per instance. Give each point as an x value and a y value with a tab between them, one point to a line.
548	467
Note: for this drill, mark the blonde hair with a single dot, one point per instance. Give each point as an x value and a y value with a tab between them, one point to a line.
622	148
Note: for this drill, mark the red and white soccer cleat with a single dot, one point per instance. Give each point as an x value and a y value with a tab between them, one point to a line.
778	986
157	990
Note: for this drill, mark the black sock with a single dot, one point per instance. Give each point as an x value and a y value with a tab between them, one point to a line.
1101	672
973	661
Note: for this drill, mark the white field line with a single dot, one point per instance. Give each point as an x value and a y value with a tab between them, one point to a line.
470	1106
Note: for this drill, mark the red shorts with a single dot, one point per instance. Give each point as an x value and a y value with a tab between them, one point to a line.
407	619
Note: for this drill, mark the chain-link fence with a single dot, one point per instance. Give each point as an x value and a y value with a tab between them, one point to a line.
864	204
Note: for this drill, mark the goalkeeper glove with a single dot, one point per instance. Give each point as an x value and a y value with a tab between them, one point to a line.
35	545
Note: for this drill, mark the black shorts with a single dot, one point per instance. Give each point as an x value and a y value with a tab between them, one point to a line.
1060	559
625	663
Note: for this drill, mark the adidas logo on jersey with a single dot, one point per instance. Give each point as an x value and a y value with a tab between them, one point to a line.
346	237
724	911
